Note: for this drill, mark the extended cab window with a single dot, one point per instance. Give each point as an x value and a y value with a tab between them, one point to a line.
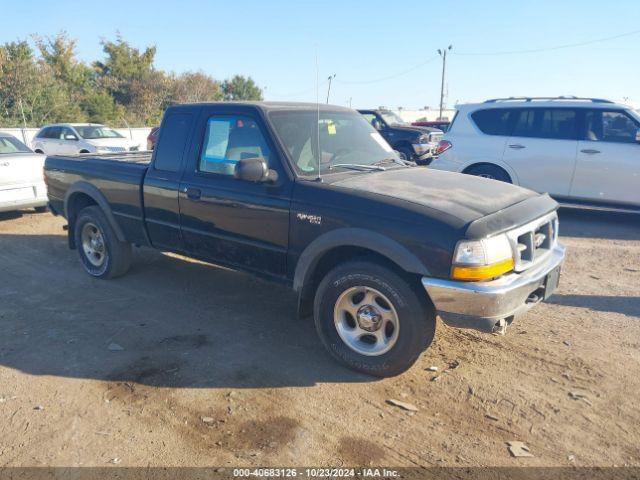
608	126
553	123
172	142
228	139
493	121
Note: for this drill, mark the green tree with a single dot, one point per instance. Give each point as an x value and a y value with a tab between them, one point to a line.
195	87
241	88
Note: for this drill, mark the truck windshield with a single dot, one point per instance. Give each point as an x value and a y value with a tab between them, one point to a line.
9	145
94	132
392	119
345	139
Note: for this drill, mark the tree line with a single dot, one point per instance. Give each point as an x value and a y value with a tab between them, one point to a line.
48	84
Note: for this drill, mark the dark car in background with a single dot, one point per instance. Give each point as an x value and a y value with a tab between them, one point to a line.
417	144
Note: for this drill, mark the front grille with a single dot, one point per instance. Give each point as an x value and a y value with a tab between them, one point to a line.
533	241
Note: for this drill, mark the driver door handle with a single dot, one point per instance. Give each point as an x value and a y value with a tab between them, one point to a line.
590	151
516	146
193	193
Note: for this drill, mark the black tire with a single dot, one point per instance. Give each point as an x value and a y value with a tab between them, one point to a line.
40	209
116	256
84	151
37	150
406	152
416	317
489	171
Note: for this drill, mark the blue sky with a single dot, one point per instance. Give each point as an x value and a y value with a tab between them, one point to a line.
365	43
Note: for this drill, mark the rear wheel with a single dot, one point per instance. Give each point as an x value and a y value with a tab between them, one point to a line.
40	209
371	319
101	253
489	171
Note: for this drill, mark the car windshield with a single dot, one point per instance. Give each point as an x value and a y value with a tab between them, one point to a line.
392	119
90	132
346	141
9	145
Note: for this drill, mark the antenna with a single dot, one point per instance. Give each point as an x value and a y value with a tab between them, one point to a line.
318	178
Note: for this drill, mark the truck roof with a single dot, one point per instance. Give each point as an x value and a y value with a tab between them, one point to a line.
270	106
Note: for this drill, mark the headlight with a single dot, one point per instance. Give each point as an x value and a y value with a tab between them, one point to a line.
423	138
482	259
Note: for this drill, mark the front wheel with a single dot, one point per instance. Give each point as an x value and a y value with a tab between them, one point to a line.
101	253
372	320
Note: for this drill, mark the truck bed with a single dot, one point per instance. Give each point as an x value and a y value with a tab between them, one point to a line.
117	176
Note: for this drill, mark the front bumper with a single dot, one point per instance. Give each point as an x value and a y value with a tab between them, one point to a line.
424	152
491	306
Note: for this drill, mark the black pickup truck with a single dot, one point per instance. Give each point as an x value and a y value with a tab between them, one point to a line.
414	143
312	196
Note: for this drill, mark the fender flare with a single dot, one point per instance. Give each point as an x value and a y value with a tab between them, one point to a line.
354	237
93	192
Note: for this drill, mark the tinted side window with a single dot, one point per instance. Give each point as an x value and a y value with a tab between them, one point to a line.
553	123
54	132
494	121
607	126
44	133
229	139
66	131
172	142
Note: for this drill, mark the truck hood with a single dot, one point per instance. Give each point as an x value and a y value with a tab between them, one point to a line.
415	129
465	197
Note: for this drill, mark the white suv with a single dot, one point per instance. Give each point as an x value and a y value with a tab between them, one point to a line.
584	152
75	138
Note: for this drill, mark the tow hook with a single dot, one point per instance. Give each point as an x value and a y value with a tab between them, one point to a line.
500	327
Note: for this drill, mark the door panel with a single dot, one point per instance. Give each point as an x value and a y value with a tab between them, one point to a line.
162	182
542	149
608	165
229	221
542	165
607	172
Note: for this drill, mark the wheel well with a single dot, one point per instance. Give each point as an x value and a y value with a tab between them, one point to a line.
75	204
339	255
84	151
487	164
403	143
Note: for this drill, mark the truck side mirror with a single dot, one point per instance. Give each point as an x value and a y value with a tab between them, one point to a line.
254	170
376	124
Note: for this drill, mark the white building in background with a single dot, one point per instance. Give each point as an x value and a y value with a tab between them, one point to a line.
424	114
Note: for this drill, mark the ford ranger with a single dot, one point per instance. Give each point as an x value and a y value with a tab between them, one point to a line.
313	197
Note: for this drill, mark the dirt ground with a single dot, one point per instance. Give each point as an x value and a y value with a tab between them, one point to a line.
214	369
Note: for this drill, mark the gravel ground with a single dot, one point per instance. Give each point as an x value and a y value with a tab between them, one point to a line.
179	363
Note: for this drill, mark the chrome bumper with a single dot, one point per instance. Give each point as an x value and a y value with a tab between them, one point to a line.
490	306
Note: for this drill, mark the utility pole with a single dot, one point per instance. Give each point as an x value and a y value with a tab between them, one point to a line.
330	77
443	54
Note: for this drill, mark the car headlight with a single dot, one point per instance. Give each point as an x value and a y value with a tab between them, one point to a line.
482	259
423	139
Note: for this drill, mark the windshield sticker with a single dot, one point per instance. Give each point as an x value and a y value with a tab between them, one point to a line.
331	128
381	141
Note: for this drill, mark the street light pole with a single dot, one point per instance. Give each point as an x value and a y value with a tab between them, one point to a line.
443	54
331	77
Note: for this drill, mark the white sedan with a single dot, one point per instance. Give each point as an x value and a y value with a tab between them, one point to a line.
21	180
76	138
